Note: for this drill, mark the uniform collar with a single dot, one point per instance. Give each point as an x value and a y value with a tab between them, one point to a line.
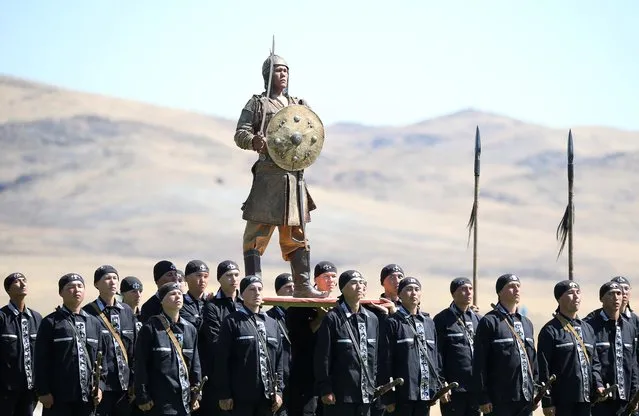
249	313
347	310
67	311
605	316
16	312
505	312
220	295
102	304
404	312
458	311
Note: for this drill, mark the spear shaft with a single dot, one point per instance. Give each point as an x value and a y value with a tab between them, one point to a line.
564	230
472	222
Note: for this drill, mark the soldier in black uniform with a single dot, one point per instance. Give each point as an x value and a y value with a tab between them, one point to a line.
197	279
456	326
616	348
248	368
346	352
118	323
303	324
225	301
18	329
167	363
283	287
66	351
505	361
566	349
409	351
131	290
389	277
163	272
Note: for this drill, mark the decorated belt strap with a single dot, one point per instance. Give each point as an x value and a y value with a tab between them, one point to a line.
521	343
112	330
174	341
370	380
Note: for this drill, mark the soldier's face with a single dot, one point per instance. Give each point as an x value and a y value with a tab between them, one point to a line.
173	300
198	281
286	290
252	295
230	280
510	293
73	293
132	298
411	295
391	282
326	282
355	289
280	77
108	284
625	293
463	295
570	300
612	300
168	277
18	287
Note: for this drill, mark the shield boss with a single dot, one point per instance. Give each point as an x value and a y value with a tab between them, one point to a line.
294	137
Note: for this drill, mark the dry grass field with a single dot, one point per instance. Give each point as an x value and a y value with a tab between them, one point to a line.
87	180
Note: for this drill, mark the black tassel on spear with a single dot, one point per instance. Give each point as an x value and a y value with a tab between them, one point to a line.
564	230
472	222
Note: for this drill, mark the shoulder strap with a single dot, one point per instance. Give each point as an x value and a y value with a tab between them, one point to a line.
272	373
461	323
424	350
519	340
174	341
566	325
112	330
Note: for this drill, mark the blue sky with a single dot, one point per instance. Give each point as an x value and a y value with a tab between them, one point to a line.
557	63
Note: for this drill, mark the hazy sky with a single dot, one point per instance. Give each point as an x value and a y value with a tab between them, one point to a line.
558	63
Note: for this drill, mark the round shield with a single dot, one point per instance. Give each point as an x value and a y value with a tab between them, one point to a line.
294	137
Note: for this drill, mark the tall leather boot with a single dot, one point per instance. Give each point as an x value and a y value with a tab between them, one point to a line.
301	271
252	263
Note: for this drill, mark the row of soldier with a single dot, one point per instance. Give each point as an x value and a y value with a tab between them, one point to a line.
188	352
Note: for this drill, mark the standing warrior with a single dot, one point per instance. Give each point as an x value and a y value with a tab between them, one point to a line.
456	326
505	360
566	349
272	200
18	329
616	349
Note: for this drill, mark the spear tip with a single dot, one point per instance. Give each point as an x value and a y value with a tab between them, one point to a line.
571	153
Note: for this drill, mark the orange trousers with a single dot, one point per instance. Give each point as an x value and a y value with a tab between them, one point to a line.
257	236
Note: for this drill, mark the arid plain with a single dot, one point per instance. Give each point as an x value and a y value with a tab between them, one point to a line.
87	180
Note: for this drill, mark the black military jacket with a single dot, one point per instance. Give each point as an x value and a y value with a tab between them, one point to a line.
400	355
152	307
123	321
607	345
559	355
57	357
12	341
157	376
337	366
498	374
279	315
237	357
455	340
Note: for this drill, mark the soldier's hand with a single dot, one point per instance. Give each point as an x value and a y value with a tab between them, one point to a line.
390	408
277	403
146	406
328	398
474	308
302	101
445	398
486	408
98	397
388	305
226	404
195	405
258	143
46	400
549	411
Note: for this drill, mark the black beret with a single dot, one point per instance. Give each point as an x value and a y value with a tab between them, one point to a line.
406	282
195	266
347	276
282	280
101	271
389	269
225	266
162	267
607	287
504	279
167	288
248	281
459	282
324	267
622	280
8	281
68	278
563	287
130	283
